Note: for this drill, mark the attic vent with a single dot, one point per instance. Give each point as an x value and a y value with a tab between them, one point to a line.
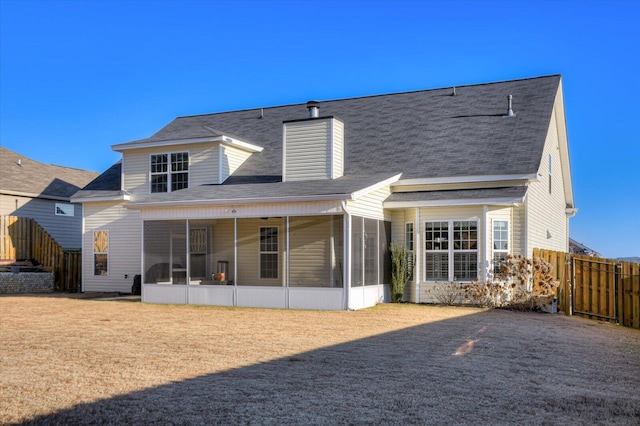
314	109
510	112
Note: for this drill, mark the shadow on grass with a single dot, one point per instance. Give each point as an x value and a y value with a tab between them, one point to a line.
480	368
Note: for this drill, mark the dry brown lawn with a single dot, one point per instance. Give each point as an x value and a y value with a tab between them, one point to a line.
68	360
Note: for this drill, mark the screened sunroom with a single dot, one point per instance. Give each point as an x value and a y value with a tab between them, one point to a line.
335	261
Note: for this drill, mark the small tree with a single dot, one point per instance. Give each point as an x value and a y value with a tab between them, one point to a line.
399	271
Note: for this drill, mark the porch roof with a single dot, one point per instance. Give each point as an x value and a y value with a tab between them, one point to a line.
504	195
344	188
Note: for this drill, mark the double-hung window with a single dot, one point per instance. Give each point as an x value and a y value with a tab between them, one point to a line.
408	239
269	252
100	253
436	250
465	250
451	250
169	172
500	244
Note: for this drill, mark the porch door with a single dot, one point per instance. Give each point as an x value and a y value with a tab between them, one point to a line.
198	253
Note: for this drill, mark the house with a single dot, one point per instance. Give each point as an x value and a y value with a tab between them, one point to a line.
42	192
295	206
579	248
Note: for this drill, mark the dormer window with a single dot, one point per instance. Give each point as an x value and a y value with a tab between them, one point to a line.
169	172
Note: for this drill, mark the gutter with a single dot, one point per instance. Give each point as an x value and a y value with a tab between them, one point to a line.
447	203
240	201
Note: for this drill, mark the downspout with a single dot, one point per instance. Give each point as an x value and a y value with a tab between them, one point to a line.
287	271
346	284
526	226
416	253
487	229
84	252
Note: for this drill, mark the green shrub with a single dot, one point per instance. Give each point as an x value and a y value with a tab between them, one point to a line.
399	271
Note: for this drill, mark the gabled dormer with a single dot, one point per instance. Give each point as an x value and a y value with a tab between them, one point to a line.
157	165
313	148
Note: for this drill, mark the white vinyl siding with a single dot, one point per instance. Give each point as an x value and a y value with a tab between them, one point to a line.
310	251
230	160
370	205
338	148
546	218
125	234
313	149
65	230
203	168
241	211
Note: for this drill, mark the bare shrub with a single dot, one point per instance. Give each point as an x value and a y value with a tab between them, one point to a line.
447	293
485	294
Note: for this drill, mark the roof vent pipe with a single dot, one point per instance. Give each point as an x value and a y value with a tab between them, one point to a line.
314	109
454	91
510	112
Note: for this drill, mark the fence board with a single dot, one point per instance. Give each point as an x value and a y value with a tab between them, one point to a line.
23	238
597	288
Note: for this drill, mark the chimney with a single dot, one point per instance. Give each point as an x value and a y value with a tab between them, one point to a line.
314	109
510	112
313	147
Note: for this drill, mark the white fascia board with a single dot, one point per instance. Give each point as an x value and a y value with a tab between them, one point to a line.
155	144
124	197
375	186
450	203
239	201
241	144
532	177
34	195
563	145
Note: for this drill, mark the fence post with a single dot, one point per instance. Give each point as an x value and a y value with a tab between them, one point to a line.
619	294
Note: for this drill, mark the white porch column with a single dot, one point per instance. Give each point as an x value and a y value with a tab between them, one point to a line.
235	261
418	253
287	258
347	257
486	262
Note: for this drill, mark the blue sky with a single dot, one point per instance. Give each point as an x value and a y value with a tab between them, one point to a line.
79	76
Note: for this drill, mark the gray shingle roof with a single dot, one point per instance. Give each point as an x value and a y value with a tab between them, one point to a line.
506	193
421	134
336	188
24	175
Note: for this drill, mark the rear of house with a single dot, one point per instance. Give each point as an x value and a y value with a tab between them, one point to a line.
295	206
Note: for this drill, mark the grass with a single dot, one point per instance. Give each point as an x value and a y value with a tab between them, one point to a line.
69	360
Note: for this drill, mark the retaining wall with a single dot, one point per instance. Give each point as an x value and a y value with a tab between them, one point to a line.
26	282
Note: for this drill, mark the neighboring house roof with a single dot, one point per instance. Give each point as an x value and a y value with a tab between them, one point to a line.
20	175
579	248
427	134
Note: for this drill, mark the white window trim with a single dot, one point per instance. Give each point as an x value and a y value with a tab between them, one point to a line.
494	250
168	172
260	253
93	249
450	249
413	237
65	208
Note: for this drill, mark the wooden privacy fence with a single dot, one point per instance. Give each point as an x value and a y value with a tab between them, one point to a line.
597	288
23	238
